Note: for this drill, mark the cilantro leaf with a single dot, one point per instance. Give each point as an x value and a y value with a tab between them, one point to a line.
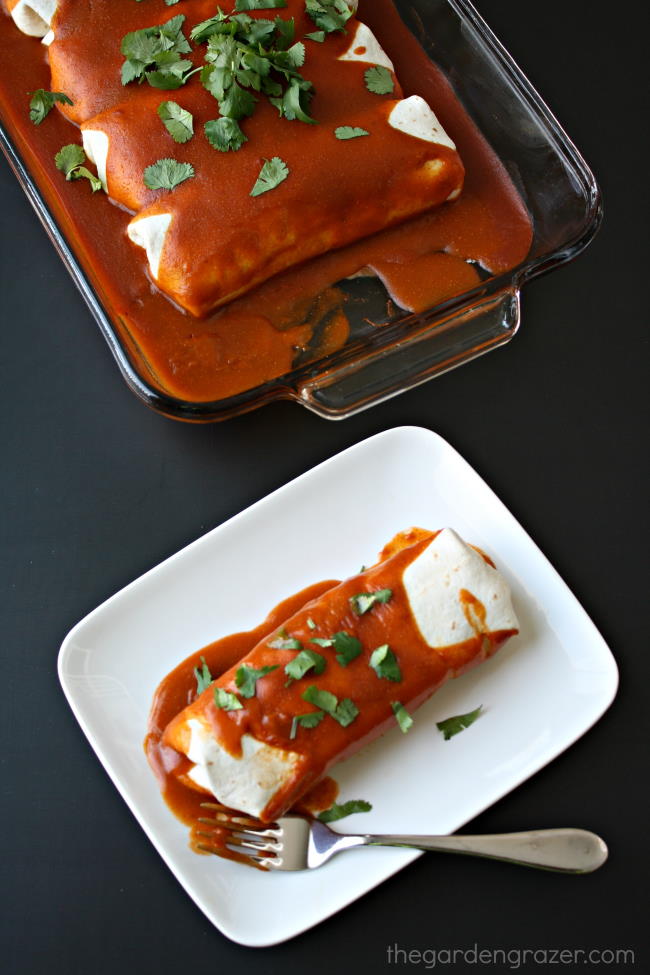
167	174
452	726
404	719
285	642
310	623
379	80
224	134
259	4
344	711
203	677
338	811
384	663
364	601
70	161
316	35
42	102
154	53
329	15
178	121
349	132
305	661
322	699
347	647
226	701
246	678
69	158
310	720
273	172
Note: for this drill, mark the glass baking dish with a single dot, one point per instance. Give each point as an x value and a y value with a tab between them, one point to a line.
552	178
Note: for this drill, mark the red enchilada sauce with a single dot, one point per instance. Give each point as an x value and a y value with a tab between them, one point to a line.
268	715
256	337
178	689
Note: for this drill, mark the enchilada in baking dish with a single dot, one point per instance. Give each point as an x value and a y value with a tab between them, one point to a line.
293	318
323	107
341	671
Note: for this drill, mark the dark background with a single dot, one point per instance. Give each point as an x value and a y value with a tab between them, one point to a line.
96	489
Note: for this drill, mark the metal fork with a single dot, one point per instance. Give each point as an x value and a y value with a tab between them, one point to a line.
298	843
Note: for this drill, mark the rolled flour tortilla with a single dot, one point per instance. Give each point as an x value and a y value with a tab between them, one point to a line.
442	608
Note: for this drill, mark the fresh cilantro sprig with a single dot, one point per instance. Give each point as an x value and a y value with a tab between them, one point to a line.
203	677
42	102
384	663
379	80
167	174
246	678
310	720
340	810
154	54
273	172
452	726
364	601
226	701
305	661
247	55
329	15
259	4
344	711
284	641
70	161
404	719
345	132
178	121
347	647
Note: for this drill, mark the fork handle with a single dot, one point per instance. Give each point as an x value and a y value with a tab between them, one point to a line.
566	850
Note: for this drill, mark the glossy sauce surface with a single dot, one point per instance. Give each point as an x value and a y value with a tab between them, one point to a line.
257	337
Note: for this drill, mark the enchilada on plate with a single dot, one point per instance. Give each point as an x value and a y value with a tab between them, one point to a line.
341	671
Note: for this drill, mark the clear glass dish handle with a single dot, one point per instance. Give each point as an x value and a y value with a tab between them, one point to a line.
437	347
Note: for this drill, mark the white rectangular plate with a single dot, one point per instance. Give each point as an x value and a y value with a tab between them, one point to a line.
551	683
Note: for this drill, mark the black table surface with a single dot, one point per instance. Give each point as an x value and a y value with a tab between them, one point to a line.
97	489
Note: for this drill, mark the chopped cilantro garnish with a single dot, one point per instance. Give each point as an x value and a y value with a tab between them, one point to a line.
344	711
349	132
364	601
338	811
203	677
379	80
246	678
70	161
259	4
154	54
310	720
404	719
166	174
310	623
178	121
316	35
305	661
273	172
42	102
226	701
245	55
329	15
384	663
451	726
285	642
347	647
224	134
